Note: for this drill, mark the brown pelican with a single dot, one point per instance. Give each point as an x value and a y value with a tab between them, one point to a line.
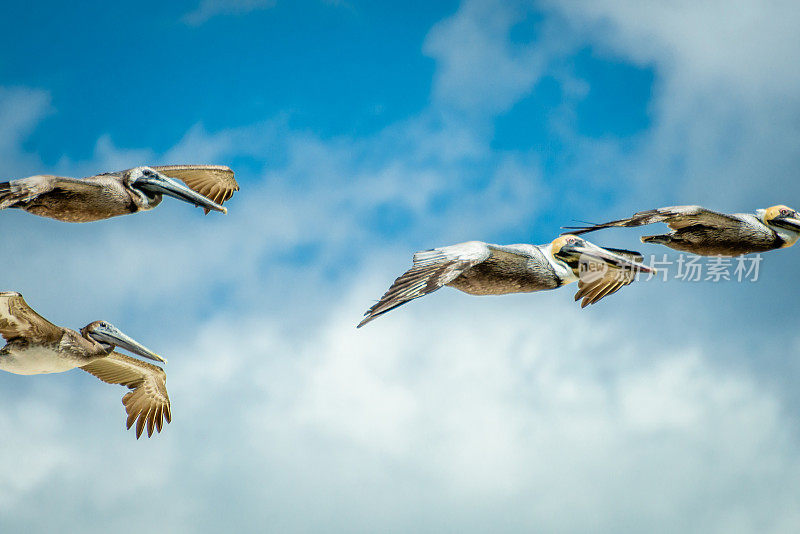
119	193
708	233
481	268
36	346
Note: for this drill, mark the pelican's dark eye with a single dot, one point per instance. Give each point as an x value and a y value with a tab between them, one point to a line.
785	212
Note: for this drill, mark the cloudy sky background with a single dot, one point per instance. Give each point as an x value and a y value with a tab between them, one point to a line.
360	133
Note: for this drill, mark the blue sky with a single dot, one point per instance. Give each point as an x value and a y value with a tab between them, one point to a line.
360	133
331	69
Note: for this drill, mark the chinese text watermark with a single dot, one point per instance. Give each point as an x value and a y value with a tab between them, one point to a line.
686	268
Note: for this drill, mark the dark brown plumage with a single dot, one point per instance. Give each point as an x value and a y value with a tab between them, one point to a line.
709	233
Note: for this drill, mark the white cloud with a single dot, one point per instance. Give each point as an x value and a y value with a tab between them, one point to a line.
21	110
478	69
208	9
473	421
725	95
707	44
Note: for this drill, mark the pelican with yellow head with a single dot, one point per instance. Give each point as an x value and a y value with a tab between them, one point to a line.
479	268
709	233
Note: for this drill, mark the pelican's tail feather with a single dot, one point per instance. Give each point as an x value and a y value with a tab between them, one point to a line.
5	191
9	195
16	192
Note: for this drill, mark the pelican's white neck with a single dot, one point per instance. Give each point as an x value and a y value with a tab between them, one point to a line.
789	237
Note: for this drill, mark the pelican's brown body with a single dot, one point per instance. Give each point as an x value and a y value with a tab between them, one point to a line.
511	269
90	199
749	237
59	351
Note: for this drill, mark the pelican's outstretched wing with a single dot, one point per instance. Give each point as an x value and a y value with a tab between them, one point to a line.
148	403
17	319
215	182
606	279
676	217
431	270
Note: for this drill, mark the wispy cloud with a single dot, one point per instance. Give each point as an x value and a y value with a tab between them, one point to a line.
479	69
21	111
726	93
208	9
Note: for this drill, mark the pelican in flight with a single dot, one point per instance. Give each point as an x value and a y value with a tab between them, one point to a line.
119	193
709	233
481	268
36	346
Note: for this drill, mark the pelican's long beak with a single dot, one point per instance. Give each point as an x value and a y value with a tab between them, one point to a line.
789	223
111	335
176	189
583	251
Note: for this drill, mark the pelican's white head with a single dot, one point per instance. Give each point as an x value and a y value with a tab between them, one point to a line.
784	220
145	198
109	337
